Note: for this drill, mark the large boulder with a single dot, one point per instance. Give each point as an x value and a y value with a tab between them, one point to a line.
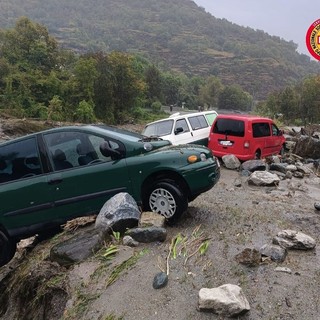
307	147
231	161
119	213
79	247
264	178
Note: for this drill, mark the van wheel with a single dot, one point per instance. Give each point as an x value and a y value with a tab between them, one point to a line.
7	249
257	155
166	198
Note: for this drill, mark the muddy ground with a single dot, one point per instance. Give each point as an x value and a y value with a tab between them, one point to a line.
230	218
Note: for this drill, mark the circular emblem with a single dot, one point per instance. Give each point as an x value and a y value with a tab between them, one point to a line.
313	39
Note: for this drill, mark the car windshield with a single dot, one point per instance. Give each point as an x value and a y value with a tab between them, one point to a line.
158	129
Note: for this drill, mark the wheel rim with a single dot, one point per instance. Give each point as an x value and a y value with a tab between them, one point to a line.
162	202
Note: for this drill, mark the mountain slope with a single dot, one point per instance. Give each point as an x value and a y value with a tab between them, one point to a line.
173	34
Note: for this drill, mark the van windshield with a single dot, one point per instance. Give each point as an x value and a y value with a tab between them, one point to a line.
158	129
229	127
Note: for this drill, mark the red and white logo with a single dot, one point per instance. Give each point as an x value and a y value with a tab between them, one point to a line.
313	39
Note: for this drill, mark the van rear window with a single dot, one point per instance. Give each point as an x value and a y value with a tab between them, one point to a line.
229	127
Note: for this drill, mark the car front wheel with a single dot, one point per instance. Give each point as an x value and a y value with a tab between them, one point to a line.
167	199
7	249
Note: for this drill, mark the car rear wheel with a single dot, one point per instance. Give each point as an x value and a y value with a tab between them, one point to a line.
167	199
257	155
7	249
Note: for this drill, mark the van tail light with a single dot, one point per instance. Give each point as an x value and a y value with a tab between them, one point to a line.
246	144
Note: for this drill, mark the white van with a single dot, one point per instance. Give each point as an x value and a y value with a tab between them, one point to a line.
183	128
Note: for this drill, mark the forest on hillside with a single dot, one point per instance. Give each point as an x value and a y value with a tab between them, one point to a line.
178	36
39	79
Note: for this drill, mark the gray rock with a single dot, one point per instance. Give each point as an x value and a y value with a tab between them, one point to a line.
119	213
307	147
254	165
283	269
264	178
160	280
249	257
129	241
79	247
149	218
281	167
231	161
148	234
227	300
298	174
275	252
291	239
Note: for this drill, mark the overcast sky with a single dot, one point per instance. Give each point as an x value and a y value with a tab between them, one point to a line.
288	19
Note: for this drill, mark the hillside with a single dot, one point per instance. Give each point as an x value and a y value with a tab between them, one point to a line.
178	35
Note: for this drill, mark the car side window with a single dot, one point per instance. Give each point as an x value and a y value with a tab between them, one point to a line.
19	160
275	130
261	129
96	141
181	123
198	122
71	149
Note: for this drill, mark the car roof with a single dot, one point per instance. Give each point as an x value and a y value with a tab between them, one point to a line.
180	115
99	129
242	117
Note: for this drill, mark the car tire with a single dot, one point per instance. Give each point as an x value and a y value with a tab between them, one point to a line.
167	199
7	249
257	155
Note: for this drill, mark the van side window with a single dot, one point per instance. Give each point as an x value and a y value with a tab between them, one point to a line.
198	122
19	160
261	129
182	123
275	130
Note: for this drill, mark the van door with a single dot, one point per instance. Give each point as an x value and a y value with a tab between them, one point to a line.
277	139
262	138
181	132
200	129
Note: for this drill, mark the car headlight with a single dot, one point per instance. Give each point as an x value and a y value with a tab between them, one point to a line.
203	157
194	158
147	146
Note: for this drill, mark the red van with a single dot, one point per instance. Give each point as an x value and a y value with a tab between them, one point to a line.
245	136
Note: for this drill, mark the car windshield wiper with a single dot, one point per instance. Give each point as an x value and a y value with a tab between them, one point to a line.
150	138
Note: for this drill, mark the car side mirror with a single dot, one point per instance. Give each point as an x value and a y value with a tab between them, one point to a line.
178	130
109	152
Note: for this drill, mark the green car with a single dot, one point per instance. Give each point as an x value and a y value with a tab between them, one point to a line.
55	175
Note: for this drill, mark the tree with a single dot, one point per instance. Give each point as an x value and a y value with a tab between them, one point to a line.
154	84
29	46
234	98
210	91
310	101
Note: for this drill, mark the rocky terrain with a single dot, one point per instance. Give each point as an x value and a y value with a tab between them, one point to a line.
232	217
